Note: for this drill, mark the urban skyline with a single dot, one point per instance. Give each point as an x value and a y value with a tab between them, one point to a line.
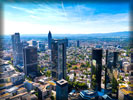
62	50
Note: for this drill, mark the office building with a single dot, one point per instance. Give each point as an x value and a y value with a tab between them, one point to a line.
41	46
58	57
106	69
49	40
25	44
97	55
78	43
115	60
61	90
17	49
30	61
66	42
34	43
17	78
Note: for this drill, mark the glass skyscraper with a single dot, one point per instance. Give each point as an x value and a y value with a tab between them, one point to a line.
49	40
58	57
17	49
30	60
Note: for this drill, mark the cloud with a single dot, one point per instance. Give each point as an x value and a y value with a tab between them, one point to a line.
23	9
62	18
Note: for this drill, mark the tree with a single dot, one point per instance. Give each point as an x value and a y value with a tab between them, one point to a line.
114	85
52	98
48	73
68	65
67	78
88	64
68	70
129	83
83	65
75	67
126	75
74	74
89	73
93	81
82	77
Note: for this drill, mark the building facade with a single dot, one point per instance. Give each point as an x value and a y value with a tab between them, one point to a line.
97	55
78	43
58	57
61	90
41	46
115	60
30	60
17	49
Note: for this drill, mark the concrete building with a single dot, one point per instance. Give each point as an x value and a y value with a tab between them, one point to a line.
49	40
58	57
30	61
28	85
17	49
61	90
44	91
17	78
125	93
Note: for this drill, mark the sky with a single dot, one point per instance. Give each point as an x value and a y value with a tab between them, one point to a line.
65	18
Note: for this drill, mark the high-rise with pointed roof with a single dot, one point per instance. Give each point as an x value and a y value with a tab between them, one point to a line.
49	40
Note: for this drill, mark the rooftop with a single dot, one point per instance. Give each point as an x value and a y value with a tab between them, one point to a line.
52	83
6	94
62	82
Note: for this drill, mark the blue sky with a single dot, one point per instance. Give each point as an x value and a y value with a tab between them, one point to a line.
65	18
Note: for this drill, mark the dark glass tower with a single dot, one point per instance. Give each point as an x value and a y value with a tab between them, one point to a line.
97	55
106	69
78	43
115	60
41	46
61	90
30	60
17	49
58	57
49	40
34	43
66	42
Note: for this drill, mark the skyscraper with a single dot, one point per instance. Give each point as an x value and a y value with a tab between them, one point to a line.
78	43
97	55
41	46
66	42
49	40
115	60
17	49
106	69
34	43
58	57
61	90
30	60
